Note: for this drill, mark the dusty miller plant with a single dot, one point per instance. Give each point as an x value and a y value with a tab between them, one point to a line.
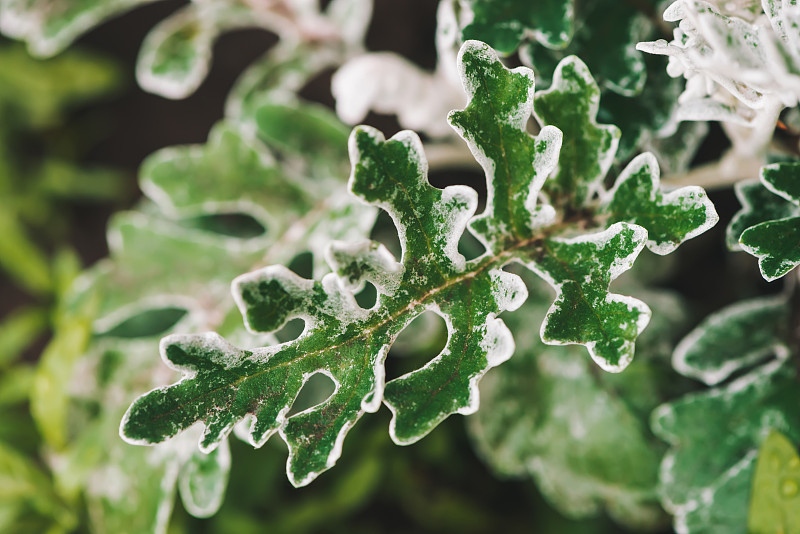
584	387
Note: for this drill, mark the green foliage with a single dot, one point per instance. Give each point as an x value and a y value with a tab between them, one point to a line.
503	23
581	435
775	493
773	240
330	313
176	55
225	385
706	476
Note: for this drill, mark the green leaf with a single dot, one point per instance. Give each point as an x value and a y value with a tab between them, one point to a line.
20	257
224	385
50	388
41	90
494	126
571	104
16	384
176	54
49	27
253	183
341	339
775	497
759	205
580	270
546	414
774	242
18	330
24	485
605	39
671	218
734	338
503	23
203	479
714	437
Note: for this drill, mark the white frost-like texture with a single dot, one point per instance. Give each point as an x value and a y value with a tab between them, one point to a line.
740	62
387	83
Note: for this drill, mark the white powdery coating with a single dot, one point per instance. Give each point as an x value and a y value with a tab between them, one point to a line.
618	266
769	185
455	220
387	83
294	285
333	456
386	272
696	193
433	307
561	84
725	56
171	84
372	402
543	164
207	501
509	291
716	374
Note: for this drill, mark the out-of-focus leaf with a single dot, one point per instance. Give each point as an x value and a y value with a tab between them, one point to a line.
734	338
775	496
18	331
503	23
20	257
24	485
547	415
42	89
714	438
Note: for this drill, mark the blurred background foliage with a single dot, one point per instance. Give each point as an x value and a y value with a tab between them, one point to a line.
73	131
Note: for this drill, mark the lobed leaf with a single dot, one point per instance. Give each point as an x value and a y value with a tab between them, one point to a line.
671	218
224	385
774	242
759	205
581	436
714	438
571	104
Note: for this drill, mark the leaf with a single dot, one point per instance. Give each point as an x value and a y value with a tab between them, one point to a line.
24	485
203	479
714	437
20	257
580	269
734	338
739	69
176	54
546	415
571	104
41	91
671	218
49	27
503	23
341	339
775	497
605	38
224	385
18	330
50	389
759	205
774	242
